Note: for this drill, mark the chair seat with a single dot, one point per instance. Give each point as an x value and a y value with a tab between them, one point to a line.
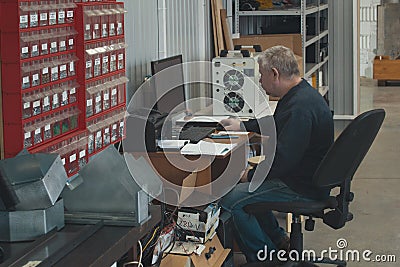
295	207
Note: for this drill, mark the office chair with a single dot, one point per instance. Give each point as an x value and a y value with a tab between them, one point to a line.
336	170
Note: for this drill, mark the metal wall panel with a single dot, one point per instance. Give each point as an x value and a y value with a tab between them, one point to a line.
157	29
343	58
388	30
141	35
188	31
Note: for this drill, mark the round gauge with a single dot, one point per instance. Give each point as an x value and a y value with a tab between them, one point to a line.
233	102
233	80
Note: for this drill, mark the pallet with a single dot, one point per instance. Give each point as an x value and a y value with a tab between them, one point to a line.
386	70
388	82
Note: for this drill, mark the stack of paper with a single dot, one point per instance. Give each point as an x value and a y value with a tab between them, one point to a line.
207	148
171	144
233	133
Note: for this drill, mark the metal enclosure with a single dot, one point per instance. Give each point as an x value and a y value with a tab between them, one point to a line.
37	179
28	225
105	190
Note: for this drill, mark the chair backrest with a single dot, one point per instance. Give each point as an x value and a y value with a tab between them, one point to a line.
345	155
342	160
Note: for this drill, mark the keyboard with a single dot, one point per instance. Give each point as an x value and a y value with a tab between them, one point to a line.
195	134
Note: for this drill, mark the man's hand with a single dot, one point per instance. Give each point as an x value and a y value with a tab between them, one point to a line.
231	124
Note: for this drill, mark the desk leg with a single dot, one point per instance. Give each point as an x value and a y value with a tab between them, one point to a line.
132	253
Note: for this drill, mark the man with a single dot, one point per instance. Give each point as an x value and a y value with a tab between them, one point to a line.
304	132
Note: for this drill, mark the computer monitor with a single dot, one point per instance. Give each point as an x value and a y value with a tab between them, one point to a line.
170	97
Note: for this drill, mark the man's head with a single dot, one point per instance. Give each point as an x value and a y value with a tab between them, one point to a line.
279	70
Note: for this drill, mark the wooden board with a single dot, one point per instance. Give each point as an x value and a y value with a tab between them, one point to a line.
220	37
226	30
214	27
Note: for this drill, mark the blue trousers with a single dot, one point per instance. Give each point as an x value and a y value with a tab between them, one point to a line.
254	233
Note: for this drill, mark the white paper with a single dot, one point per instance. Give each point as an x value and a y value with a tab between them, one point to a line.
172	144
232	133
207	148
184	119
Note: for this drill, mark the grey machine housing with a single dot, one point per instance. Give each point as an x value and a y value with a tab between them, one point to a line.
36	182
105	190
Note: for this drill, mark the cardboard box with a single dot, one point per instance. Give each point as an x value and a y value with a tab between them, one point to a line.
292	41
386	69
216	260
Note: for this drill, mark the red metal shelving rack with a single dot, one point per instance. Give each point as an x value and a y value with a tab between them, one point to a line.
101	49
39	80
43	86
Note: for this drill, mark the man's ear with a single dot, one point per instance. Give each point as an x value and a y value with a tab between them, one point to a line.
276	73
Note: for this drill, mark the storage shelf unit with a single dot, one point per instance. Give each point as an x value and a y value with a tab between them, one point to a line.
43	85
101	46
38	69
309	18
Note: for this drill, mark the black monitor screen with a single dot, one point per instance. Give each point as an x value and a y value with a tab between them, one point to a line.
169	87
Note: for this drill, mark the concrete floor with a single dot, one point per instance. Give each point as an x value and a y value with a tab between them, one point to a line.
376	186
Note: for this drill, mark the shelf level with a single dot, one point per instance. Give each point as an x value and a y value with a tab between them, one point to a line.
284	12
312	39
313	67
323	90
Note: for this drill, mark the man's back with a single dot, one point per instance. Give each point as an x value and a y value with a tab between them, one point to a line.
304	128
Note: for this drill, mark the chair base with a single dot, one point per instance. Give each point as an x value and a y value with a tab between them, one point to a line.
338	263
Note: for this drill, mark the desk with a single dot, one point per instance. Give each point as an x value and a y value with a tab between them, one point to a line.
104	247
213	165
